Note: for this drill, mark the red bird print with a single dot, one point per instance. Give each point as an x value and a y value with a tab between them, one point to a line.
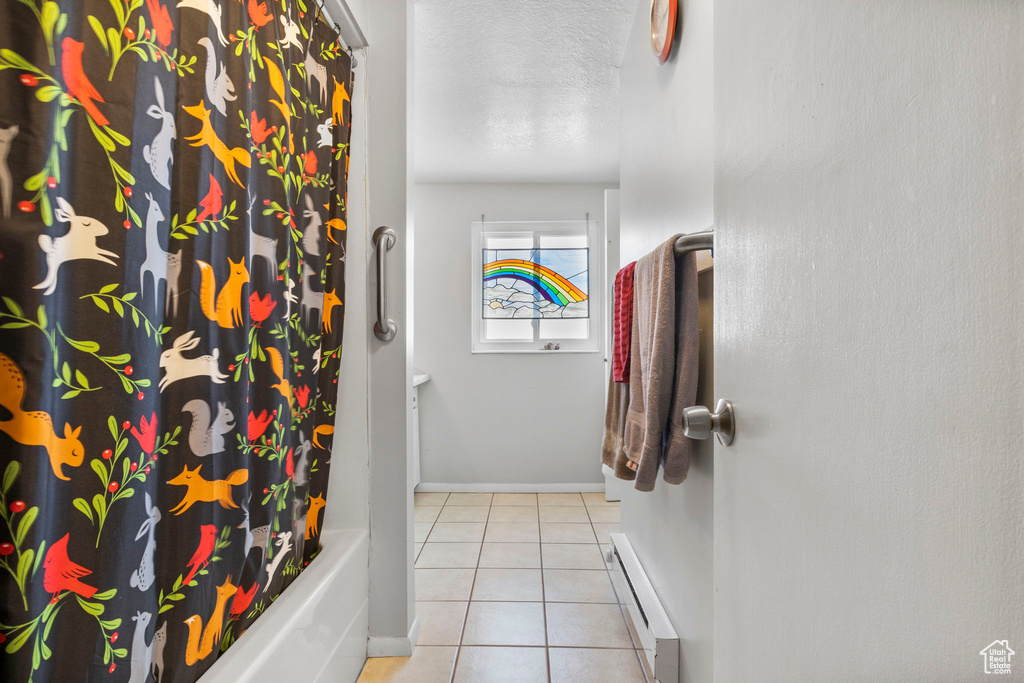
61	574
76	81
258	13
289	463
242	600
310	166
161	22
260	309
258	425
201	558
146	434
213	202
259	129
302	395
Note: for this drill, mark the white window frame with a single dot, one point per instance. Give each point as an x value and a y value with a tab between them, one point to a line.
596	286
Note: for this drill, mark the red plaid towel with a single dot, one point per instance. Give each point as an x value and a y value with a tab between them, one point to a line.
623	321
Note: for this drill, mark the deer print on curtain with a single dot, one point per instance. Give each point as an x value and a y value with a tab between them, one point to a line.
172	240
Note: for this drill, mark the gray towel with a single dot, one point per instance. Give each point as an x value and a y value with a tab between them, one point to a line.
663	365
612	452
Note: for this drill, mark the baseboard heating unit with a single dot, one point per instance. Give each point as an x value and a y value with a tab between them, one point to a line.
636	594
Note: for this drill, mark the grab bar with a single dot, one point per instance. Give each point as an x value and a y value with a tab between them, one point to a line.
385	328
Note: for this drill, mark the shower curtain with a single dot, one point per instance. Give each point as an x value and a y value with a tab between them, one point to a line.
172	254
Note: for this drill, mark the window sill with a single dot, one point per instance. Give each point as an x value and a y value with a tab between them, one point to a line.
536	351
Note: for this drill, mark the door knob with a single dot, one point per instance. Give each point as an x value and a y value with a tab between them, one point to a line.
699	422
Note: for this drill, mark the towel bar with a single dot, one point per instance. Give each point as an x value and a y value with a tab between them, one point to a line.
697	241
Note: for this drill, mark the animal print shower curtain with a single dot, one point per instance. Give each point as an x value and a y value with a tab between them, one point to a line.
172	247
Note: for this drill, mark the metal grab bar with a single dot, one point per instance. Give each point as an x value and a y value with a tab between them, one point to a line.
385	329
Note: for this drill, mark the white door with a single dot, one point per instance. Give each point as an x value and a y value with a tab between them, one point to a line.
868	326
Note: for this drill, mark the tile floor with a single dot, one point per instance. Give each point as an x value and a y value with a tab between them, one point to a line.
513	588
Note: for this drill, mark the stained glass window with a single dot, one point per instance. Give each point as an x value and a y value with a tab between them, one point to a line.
536	283
537	286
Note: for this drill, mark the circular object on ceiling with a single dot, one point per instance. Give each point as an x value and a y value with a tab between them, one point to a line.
663	27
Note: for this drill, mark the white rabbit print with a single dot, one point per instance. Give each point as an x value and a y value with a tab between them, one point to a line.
177	367
78	243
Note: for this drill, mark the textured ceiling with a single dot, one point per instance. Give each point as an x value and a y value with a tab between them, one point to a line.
518	90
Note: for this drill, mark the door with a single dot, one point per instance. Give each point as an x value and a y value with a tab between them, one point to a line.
868	518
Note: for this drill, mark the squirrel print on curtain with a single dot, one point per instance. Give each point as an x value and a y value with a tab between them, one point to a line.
156	382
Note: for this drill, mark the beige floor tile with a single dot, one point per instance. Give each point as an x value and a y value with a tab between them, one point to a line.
512	532
420	531
506	623
564	514
416	548
559	499
631	627
508	585
444	584
513	514
463	513
457	532
586	625
425	513
605	515
571	556
595	666
427	665
520	499
597	500
502	665
429	498
469	499
510	555
440	622
602	531
561	532
578	585
449	556
645	664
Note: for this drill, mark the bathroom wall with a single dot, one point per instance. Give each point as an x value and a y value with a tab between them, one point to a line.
667	187
498	419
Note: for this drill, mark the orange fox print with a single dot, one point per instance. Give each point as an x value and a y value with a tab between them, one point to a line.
322	430
208	136
200	490
316	503
281	103
330	301
338	102
202	641
283	386
226	310
34	427
334	224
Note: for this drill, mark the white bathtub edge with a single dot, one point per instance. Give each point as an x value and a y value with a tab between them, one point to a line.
321	617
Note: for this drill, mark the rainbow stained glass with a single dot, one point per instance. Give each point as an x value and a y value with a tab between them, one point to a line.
536	283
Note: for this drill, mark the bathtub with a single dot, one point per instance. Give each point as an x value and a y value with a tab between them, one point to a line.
316	631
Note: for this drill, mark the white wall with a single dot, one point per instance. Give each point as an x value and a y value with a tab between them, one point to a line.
869	520
470	409
392	598
667	187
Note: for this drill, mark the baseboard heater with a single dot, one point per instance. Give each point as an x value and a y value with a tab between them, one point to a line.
658	639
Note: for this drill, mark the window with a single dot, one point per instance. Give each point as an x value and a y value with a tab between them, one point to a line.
537	286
